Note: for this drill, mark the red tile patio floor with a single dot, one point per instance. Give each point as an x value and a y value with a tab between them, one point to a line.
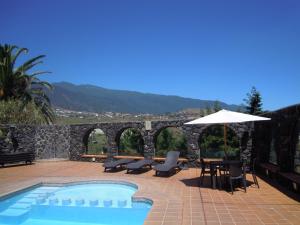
177	199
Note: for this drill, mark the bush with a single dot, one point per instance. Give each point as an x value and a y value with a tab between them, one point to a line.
14	112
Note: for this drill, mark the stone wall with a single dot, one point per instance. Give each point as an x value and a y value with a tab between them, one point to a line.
71	141
284	129
17	139
243	131
52	142
46	141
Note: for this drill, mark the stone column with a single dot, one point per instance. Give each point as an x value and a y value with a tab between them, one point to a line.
192	141
246	135
112	147
148	144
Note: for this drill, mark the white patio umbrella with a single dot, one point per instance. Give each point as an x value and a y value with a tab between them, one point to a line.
225	117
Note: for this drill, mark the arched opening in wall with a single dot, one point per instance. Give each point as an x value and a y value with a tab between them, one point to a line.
212	145
96	143
130	142
170	139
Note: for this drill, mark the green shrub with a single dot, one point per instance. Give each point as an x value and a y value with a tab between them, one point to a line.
14	112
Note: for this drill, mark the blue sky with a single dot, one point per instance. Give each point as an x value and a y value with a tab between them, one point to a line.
214	50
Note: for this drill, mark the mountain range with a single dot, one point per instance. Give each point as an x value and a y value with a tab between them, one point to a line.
92	98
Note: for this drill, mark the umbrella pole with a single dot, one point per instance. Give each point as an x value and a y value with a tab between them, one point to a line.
225	140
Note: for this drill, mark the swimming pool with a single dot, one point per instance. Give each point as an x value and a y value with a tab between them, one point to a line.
95	203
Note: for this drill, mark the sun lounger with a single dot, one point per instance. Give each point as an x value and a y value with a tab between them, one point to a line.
115	164
26	157
139	164
170	163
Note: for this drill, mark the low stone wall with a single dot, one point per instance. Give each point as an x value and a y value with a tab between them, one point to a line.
71	141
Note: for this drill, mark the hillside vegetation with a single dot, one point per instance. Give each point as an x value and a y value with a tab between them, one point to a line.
91	98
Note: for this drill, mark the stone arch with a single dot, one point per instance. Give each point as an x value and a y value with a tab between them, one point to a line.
216	145
158	131
244	132
100	139
77	134
85	138
118	137
79	138
121	131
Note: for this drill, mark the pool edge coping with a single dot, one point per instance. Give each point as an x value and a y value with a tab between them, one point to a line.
9	194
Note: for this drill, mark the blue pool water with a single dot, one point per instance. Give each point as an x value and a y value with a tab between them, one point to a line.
78	204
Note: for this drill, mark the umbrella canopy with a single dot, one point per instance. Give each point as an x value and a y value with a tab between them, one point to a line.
226	116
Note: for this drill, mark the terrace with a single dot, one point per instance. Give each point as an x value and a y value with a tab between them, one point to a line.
177	199
127	156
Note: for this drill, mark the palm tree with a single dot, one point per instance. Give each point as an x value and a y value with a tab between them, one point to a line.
17	83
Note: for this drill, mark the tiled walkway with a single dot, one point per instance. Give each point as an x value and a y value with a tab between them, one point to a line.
177	200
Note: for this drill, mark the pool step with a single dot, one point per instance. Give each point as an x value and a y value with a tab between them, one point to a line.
68	202
13	215
31	198
20	209
12	212
39	194
27	201
44	190
19	205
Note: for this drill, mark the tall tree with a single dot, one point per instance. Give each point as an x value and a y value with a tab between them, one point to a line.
217	106
208	110
17	83
165	140
253	102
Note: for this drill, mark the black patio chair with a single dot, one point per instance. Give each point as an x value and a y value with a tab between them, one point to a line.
139	165
170	163
223	172
251	169
205	169
236	172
